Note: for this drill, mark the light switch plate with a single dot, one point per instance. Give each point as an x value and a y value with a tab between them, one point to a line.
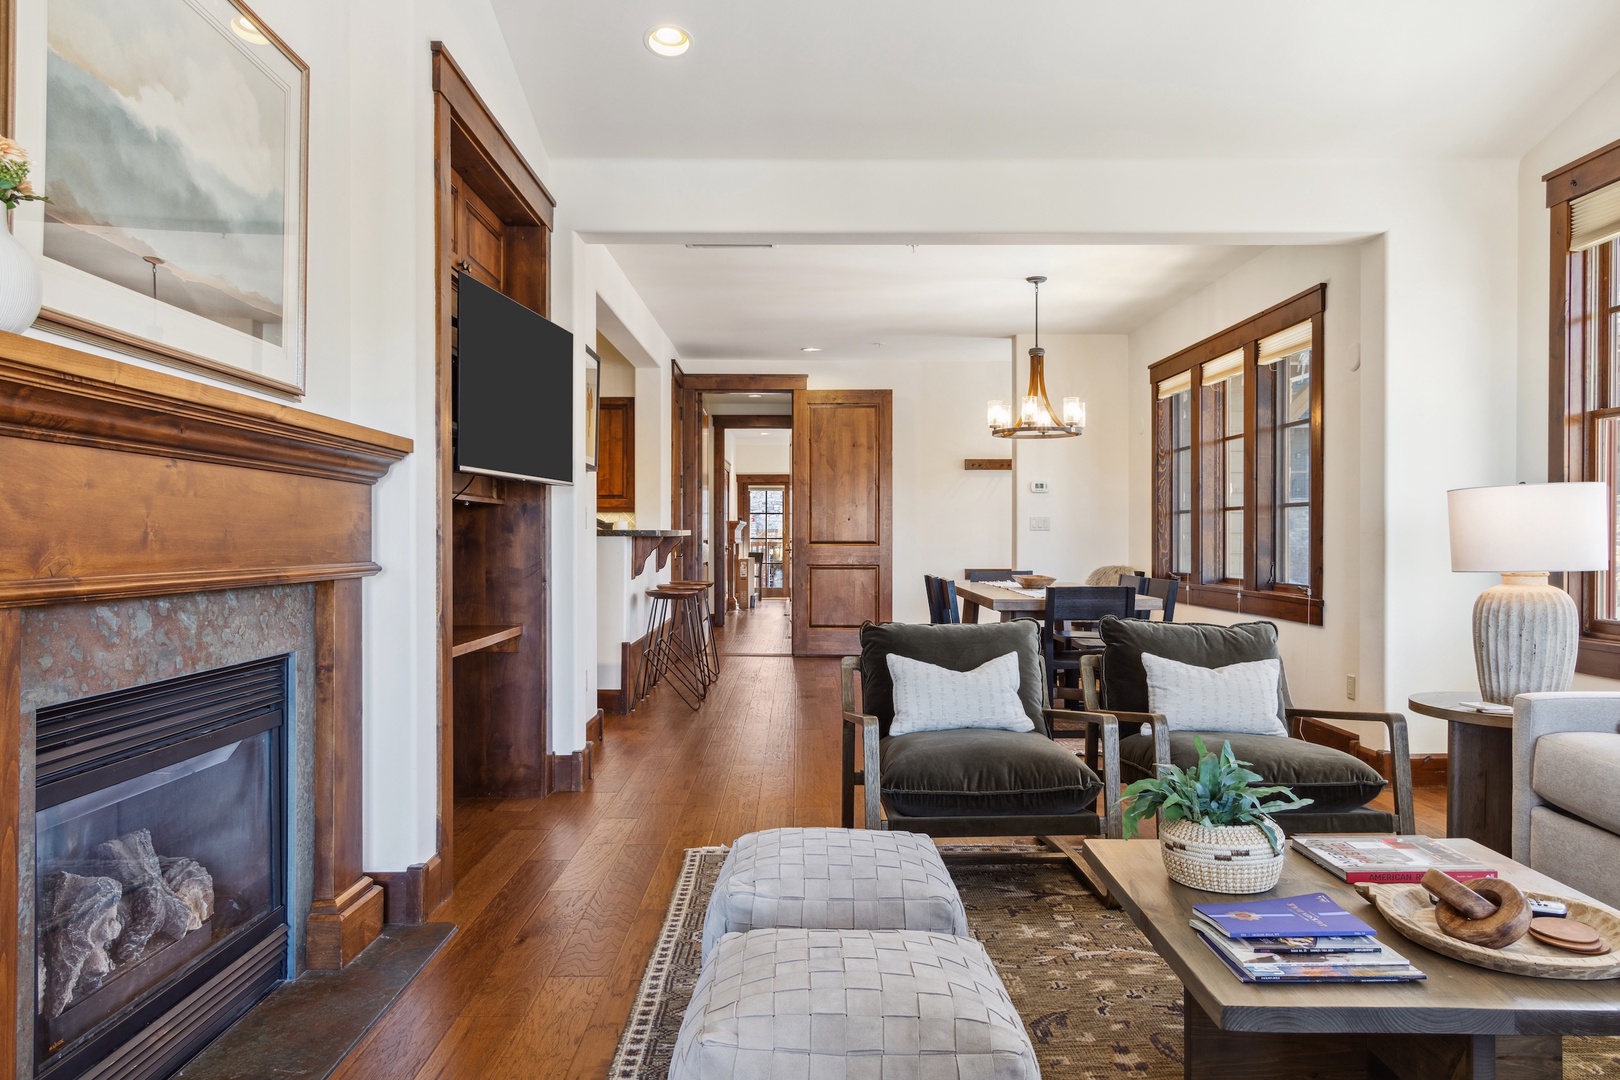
1040	524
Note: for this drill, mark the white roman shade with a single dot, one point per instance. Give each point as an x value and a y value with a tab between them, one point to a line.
1285	343
1594	218
1224	367
1175	384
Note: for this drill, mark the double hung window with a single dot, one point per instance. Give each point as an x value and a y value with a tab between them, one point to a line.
1238	448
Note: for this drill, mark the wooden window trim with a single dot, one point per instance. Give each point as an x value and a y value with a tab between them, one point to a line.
1257	594
1569	409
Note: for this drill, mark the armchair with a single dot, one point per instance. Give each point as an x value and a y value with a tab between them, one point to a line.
1340	784
968	782
1566	805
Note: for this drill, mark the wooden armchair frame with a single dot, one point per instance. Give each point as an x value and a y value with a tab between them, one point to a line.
869	775
1400	752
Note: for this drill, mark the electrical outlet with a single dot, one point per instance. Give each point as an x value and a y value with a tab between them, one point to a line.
1350	687
1040	524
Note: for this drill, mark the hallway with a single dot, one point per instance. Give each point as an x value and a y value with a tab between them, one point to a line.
764	630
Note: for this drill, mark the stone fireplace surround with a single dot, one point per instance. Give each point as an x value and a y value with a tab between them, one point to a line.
152	526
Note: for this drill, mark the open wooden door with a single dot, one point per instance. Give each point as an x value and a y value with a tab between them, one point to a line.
843	520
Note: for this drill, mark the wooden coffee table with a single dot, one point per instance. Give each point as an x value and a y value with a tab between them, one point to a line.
1463	1021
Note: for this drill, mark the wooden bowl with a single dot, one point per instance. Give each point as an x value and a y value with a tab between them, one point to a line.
1034	581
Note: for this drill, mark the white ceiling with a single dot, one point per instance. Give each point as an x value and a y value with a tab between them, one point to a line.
945	79
766	404
937	303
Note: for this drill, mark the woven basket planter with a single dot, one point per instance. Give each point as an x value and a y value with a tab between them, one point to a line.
1227	859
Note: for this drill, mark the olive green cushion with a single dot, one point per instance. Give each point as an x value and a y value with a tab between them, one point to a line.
959	648
1334	780
983	773
1202	644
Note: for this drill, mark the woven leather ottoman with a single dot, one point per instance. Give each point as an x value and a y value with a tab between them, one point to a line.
851	1005
832	879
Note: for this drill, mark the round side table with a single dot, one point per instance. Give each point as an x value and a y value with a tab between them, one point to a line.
1479	767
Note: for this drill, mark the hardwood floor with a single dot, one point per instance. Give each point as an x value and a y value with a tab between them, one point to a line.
559	901
764	630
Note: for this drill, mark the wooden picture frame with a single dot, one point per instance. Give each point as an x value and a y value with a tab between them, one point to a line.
200	263
593	407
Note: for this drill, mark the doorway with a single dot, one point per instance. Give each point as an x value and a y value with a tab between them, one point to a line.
765	502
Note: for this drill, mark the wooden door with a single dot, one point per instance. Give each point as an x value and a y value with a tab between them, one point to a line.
843	521
616	455
477	235
765	500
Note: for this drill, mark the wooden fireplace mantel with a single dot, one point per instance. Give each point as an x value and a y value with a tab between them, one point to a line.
117	481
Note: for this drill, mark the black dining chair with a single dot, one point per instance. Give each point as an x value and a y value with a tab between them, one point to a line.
942	609
1165	590
992	575
1139	582
1078	603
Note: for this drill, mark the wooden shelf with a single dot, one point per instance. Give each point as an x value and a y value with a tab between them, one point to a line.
470	639
471	499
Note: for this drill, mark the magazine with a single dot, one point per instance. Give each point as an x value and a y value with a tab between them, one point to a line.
1297	946
1254	958
1310	915
1388	858
1317	973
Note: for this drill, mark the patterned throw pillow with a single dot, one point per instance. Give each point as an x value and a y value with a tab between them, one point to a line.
928	697
1240	699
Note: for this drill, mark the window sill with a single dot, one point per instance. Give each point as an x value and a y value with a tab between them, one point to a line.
1598	656
1264	603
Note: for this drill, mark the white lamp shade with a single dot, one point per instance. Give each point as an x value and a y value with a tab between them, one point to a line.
1530	528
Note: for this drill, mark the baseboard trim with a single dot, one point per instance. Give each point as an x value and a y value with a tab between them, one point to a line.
573	772
1428	770
411	894
338	931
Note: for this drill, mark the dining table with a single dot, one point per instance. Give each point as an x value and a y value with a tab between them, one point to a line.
1013	603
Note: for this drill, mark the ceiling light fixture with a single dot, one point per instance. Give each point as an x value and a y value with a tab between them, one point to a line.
756	395
721	247
668	41
809	348
1036	417
246	29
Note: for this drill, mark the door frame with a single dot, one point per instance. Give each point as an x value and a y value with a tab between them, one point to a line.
746	481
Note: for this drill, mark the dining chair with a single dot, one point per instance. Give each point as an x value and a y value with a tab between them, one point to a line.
992	575
1138	582
1165	590
1078	603
942	609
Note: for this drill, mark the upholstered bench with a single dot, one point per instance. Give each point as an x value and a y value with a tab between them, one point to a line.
832	879
856	1004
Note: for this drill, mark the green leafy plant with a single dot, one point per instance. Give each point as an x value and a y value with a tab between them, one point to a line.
14	185
1217	791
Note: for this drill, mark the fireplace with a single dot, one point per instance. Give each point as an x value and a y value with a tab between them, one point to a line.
160	868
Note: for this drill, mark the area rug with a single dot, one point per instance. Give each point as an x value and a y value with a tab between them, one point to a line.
1098	1001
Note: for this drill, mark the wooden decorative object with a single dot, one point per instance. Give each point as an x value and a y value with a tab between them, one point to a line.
1408	909
1506	922
1467	902
975	464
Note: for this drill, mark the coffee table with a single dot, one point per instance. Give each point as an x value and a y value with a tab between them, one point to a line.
1463	1021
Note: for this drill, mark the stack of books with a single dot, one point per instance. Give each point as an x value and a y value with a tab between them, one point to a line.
1391	859
1298	939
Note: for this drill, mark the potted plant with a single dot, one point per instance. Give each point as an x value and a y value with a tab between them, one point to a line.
1215	826
20	291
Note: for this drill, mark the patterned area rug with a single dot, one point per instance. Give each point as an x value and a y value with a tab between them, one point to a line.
1098	1001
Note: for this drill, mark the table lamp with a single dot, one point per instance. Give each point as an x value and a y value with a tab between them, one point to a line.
1526	632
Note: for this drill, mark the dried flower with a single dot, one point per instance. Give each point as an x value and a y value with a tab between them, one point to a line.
15	187
10	152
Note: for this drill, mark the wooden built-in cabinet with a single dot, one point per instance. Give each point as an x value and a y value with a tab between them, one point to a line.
616	455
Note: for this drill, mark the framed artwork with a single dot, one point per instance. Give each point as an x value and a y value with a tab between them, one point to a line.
170	137
593	406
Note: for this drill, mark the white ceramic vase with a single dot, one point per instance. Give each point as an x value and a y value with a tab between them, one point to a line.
21	290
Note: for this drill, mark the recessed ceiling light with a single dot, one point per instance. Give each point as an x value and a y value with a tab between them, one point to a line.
756	395
669	41
246	29
810	348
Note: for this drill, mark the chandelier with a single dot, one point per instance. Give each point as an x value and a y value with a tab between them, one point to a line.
1036	417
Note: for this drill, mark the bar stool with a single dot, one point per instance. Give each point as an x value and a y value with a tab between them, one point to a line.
678	645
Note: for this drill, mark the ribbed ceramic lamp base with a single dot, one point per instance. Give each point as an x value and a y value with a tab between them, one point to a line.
1525	637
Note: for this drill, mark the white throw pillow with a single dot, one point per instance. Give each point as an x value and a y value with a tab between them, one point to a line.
1240	699
928	697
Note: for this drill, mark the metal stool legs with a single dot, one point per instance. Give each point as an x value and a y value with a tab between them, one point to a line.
680	648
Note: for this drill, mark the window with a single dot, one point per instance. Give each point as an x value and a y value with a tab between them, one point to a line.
1584	412
1238	437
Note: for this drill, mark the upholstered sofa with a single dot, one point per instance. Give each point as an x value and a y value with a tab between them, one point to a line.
1566	789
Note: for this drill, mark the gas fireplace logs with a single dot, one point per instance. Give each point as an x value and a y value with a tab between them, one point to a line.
108	916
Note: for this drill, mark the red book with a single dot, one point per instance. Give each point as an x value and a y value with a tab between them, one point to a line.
1393	859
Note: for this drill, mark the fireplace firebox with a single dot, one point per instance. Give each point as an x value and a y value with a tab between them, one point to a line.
160	868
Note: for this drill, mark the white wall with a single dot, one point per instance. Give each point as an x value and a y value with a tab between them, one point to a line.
1317	657
618	374
767	451
945	518
1595	124
1089	476
1444	363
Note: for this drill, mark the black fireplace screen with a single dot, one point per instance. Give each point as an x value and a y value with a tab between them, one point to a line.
159	857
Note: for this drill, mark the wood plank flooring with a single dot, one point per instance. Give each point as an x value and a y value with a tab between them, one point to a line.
559	901
763	630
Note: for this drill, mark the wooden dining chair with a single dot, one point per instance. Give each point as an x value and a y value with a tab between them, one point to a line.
1165	590
1139	582
992	575
942	609
1078	603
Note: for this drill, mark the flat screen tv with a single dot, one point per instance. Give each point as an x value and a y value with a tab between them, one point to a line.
514	389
